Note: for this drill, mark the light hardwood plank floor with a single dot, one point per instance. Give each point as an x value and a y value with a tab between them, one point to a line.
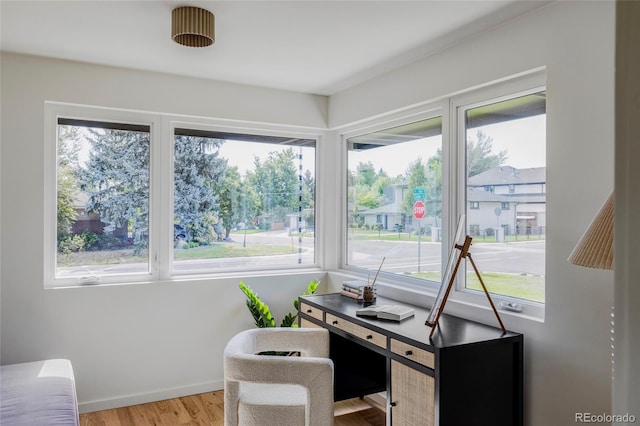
207	409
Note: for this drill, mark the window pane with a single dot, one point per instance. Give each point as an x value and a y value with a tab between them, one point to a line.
389	173
242	201
506	195
102	199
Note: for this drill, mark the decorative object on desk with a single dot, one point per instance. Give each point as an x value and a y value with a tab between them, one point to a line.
354	289
449	277
262	313
359	290
376	277
368	293
390	312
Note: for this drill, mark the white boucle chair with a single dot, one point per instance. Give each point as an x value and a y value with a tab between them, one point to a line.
278	390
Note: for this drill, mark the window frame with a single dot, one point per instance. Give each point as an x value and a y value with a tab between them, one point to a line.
264	130
161	145
453	184
520	86
54	111
424	112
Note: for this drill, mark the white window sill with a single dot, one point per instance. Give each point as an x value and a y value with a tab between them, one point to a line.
474	307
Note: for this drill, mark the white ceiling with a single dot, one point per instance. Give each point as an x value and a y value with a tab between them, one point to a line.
318	47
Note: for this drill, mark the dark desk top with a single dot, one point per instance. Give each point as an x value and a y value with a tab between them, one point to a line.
453	331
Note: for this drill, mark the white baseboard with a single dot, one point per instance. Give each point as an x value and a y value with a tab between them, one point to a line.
142	398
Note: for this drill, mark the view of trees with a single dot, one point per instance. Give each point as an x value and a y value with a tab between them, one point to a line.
110	169
211	198
367	186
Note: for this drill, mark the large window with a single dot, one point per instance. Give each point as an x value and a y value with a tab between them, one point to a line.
394	199
409	184
242	201
102	195
142	197
506	151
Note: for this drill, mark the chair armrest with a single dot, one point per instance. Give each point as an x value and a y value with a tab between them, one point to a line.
278	369
311	342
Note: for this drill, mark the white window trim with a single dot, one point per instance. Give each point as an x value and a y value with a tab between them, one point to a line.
160	190
459	104
168	271
419	113
461	301
54	110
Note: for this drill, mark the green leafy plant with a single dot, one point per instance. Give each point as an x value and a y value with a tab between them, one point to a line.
261	312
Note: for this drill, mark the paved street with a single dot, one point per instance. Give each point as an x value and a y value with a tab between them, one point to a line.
523	257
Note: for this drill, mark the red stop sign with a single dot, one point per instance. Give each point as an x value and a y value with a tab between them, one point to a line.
418	210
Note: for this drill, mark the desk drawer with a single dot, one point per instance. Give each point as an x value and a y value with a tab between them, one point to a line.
358	331
305	323
413	353
311	311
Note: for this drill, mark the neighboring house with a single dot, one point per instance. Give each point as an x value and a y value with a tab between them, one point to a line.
503	197
508	198
89	221
389	214
85	221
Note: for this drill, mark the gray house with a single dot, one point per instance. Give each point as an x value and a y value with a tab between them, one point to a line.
507	198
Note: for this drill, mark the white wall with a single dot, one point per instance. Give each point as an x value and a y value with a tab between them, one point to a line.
567	361
168	337
127	343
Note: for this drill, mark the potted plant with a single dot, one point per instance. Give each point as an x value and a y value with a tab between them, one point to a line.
262	314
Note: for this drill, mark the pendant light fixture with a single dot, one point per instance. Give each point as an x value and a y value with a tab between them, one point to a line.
192	26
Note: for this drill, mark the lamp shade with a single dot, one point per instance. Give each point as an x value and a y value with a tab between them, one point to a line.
192	26
595	248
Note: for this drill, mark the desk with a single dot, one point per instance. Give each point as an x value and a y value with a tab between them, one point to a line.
468	374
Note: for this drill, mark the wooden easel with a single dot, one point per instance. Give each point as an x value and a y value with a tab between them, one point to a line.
464	253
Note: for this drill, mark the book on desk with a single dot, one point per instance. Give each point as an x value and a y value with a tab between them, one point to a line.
388	312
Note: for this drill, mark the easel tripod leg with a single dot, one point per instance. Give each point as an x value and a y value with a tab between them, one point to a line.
486	292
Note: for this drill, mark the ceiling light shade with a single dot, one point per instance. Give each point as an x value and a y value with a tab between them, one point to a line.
595	248
192	26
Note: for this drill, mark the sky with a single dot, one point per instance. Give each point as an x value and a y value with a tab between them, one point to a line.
242	154
524	140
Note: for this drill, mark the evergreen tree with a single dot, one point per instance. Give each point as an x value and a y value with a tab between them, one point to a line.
198	176
116	177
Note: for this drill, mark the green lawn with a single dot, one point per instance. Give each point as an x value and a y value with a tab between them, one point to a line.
518	286
221	250
212	251
106	257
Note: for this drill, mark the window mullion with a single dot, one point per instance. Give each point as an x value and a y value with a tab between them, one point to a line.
161	184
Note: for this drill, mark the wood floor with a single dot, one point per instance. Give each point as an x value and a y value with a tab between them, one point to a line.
207	409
